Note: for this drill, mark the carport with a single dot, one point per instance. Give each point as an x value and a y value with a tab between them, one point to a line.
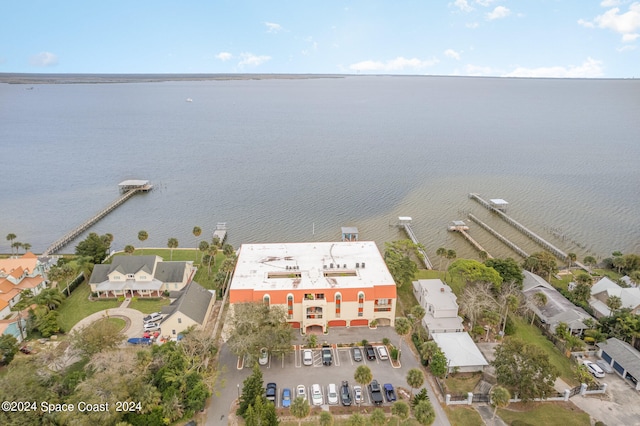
624	359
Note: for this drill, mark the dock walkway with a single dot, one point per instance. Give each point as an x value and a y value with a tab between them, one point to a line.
535	237
499	236
425	259
128	192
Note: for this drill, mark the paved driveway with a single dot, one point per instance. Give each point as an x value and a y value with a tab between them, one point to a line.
289	372
133	318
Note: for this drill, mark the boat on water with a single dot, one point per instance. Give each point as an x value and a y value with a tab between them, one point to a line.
189	100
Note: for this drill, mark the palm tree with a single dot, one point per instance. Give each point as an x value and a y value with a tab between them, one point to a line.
614	303
428	349
590	261
17	246
26	247
212	251
142	236
203	247
196	233
129	249
451	254
300	408
172	243
415	379
442	253
10	238
571	257
49	299
499	398
539	299
363	375
403	327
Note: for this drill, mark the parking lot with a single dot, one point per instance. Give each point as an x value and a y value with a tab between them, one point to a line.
289	372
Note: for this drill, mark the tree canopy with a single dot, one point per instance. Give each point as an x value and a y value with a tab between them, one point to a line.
473	272
398	255
95	246
509	270
525	369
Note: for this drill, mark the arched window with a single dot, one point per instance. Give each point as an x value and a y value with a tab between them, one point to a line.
290	306
266	300
360	304
338	304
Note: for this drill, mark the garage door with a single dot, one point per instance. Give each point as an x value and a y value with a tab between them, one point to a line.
606	357
618	368
359	322
338	323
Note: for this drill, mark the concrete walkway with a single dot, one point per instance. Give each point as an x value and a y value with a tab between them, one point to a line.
486	412
133	318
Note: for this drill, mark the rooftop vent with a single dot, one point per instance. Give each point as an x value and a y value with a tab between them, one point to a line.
357	265
362	265
331	265
344	266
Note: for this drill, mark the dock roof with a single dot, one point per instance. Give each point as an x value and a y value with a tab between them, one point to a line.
280	266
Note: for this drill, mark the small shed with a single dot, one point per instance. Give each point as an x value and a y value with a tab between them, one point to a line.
624	359
349	233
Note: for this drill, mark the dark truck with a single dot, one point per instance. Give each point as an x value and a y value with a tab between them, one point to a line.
376	392
327	357
389	392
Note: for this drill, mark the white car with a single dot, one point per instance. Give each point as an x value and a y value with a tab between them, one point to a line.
594	369
307	357
301	392
316	394
263	359
154	317
382	353
151	326
332	394
357	394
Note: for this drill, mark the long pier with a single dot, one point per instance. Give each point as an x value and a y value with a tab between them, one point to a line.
499	236
535	237
128	189
407	228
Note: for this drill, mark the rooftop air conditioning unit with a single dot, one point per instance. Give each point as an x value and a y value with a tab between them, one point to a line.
344	266
357	265
331	265
362	265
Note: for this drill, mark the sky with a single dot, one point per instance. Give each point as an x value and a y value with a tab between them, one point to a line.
515	38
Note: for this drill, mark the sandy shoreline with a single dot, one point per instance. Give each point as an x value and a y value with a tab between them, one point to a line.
23	78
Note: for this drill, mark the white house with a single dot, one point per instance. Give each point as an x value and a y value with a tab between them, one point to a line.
440	305
605	288
461	352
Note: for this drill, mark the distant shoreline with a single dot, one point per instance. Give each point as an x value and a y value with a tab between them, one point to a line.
25	78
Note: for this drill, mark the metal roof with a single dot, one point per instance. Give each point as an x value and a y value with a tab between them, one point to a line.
624	354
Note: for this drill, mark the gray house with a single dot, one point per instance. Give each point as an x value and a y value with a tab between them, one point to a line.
624	359
192	307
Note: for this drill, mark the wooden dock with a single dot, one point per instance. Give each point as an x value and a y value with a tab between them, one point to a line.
532	235
220	232
128	189
499	236
405	223
462	228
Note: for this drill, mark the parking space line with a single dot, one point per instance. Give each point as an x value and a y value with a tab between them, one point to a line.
335	354
298	354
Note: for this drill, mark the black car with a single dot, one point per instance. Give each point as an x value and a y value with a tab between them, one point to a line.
271	392
345	394
327	357
371	354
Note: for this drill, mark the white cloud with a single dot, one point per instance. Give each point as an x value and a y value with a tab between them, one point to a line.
628	38
224	56
477	71
472	25
252	60
626	48
609	3
463	5
450	53
590	68
398	64
44	59
587	24
498	13
273	27
622	23
484	3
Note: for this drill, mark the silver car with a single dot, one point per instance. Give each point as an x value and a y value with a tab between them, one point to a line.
316	394
307	357
357	394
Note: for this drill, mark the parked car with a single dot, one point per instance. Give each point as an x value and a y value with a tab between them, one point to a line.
376	392
301	392
134	341
307	357
371	354
357	394
389	392
606	367
286	398
327	356
357	354
26	350
151	326
382	353
332	394
316	394
345	394
263	359
271	392
154	317
593	368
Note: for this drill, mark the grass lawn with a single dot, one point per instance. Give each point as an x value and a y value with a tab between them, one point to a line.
462	383
463	416
547	413
118	322
78	306
147	306
531	334
406	299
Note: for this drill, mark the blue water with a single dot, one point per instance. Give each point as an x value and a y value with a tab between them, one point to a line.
294	160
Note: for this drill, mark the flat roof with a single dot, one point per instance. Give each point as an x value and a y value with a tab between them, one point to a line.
498	201
317	265
459	349
133	182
